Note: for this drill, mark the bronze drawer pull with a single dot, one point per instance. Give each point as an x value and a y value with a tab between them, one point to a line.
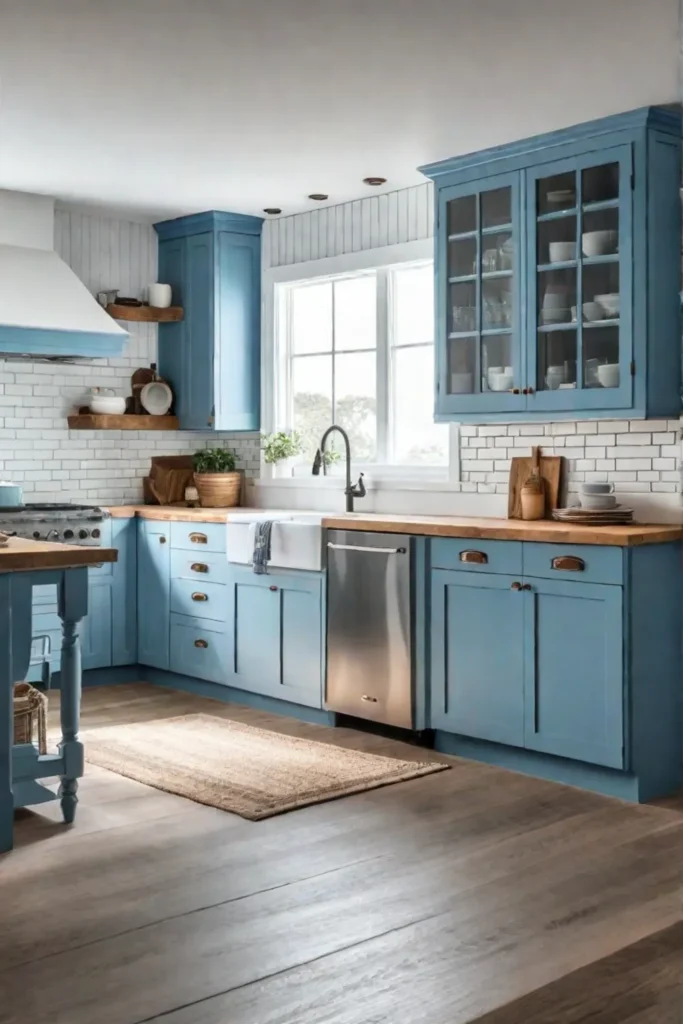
526	586
201	643
478	557
273	587
162	540
199	567
516	585
197	596
198	538
570	563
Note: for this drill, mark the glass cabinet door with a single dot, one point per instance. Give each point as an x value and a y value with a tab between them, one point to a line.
480	365
580	295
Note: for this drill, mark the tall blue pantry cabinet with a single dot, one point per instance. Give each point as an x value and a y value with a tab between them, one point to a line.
212	357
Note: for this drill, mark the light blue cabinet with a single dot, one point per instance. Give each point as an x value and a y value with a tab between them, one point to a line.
275	631
574	671
154	602
557	274
96	631
212	357
477	685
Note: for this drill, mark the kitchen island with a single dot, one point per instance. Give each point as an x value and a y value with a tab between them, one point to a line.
25	564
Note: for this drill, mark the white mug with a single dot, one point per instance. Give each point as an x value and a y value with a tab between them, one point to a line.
159	295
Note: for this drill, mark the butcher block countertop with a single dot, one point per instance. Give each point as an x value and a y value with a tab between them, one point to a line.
25	555
480	527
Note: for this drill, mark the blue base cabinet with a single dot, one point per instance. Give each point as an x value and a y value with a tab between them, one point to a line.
109	630
154	600
275	634
212	357
557	263
573	658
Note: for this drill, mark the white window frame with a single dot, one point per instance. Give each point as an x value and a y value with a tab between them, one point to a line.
275	386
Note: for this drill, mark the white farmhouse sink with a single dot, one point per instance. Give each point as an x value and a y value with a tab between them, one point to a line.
295	541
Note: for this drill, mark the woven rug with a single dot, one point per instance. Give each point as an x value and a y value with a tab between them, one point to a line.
251	772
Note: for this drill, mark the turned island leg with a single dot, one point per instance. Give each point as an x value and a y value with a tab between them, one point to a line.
73	605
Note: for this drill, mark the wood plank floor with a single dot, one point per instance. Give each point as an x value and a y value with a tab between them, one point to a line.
471	895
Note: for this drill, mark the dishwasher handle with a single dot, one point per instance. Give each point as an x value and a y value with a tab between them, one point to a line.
371	550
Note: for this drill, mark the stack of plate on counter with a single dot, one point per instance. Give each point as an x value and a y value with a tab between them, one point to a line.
617	516
597	507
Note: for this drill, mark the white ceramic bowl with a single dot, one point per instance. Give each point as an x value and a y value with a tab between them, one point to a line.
598	501
555	299
562	251
608	375
609	303
461	383
597	488
501	381
107	405
592	311
599	243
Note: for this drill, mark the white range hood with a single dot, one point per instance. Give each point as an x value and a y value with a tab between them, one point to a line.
45	310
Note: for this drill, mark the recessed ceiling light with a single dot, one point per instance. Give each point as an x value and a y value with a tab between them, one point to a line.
319	197
272	209
374	181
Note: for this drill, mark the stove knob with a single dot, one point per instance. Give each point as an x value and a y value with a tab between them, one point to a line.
68	534
83	534
36	534
52	535
95	534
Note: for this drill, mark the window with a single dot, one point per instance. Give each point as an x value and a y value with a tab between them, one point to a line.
357	349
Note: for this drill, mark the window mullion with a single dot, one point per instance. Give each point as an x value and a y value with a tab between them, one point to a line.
383	366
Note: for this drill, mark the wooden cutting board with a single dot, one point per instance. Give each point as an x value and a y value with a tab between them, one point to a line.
520	471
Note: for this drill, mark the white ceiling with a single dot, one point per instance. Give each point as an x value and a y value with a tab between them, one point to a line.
163	107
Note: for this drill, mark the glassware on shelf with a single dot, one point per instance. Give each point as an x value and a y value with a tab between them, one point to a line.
464	318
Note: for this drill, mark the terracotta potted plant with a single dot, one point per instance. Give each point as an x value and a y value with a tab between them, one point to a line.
217	483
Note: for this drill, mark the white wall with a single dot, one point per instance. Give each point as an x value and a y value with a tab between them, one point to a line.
37	450
642	459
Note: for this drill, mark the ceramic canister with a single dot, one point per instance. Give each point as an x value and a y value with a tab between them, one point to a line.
159	295
11	495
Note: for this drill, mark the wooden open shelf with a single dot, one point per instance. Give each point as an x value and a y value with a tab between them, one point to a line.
146	314
90	421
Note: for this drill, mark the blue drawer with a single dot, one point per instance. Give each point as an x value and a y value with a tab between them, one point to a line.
199	598
201	566
473	555
199	536
585	563
199	648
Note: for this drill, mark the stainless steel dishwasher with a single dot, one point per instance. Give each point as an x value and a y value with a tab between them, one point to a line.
369	645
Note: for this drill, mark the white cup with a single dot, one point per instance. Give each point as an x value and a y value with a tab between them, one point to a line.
159	295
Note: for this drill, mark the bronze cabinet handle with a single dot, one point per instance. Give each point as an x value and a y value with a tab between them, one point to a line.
526	586
515	391
272	588
162	540
529	391
569	563
199	567
198	538
201	643
515	586
478	557
197	596
370	700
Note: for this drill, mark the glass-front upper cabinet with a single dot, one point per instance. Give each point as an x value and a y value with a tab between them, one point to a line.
479	298
557	267
579	282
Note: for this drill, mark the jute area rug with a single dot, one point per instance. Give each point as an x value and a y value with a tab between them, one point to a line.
251	772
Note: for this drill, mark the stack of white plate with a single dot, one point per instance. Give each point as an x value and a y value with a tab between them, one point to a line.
617	516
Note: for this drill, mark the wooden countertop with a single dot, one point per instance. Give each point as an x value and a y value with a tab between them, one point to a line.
438	526
24	555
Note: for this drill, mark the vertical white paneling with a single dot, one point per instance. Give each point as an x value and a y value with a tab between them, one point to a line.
356	226
392	219
313	253
322	233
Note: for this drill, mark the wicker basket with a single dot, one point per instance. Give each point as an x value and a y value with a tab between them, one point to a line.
30	710
218	490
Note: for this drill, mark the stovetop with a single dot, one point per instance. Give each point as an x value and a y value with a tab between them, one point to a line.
54	521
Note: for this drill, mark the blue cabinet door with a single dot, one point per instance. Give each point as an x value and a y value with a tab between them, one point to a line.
574	684
580	256
197	382
480	358
124	628
275	625
477	655
96	632
153	593
237	360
